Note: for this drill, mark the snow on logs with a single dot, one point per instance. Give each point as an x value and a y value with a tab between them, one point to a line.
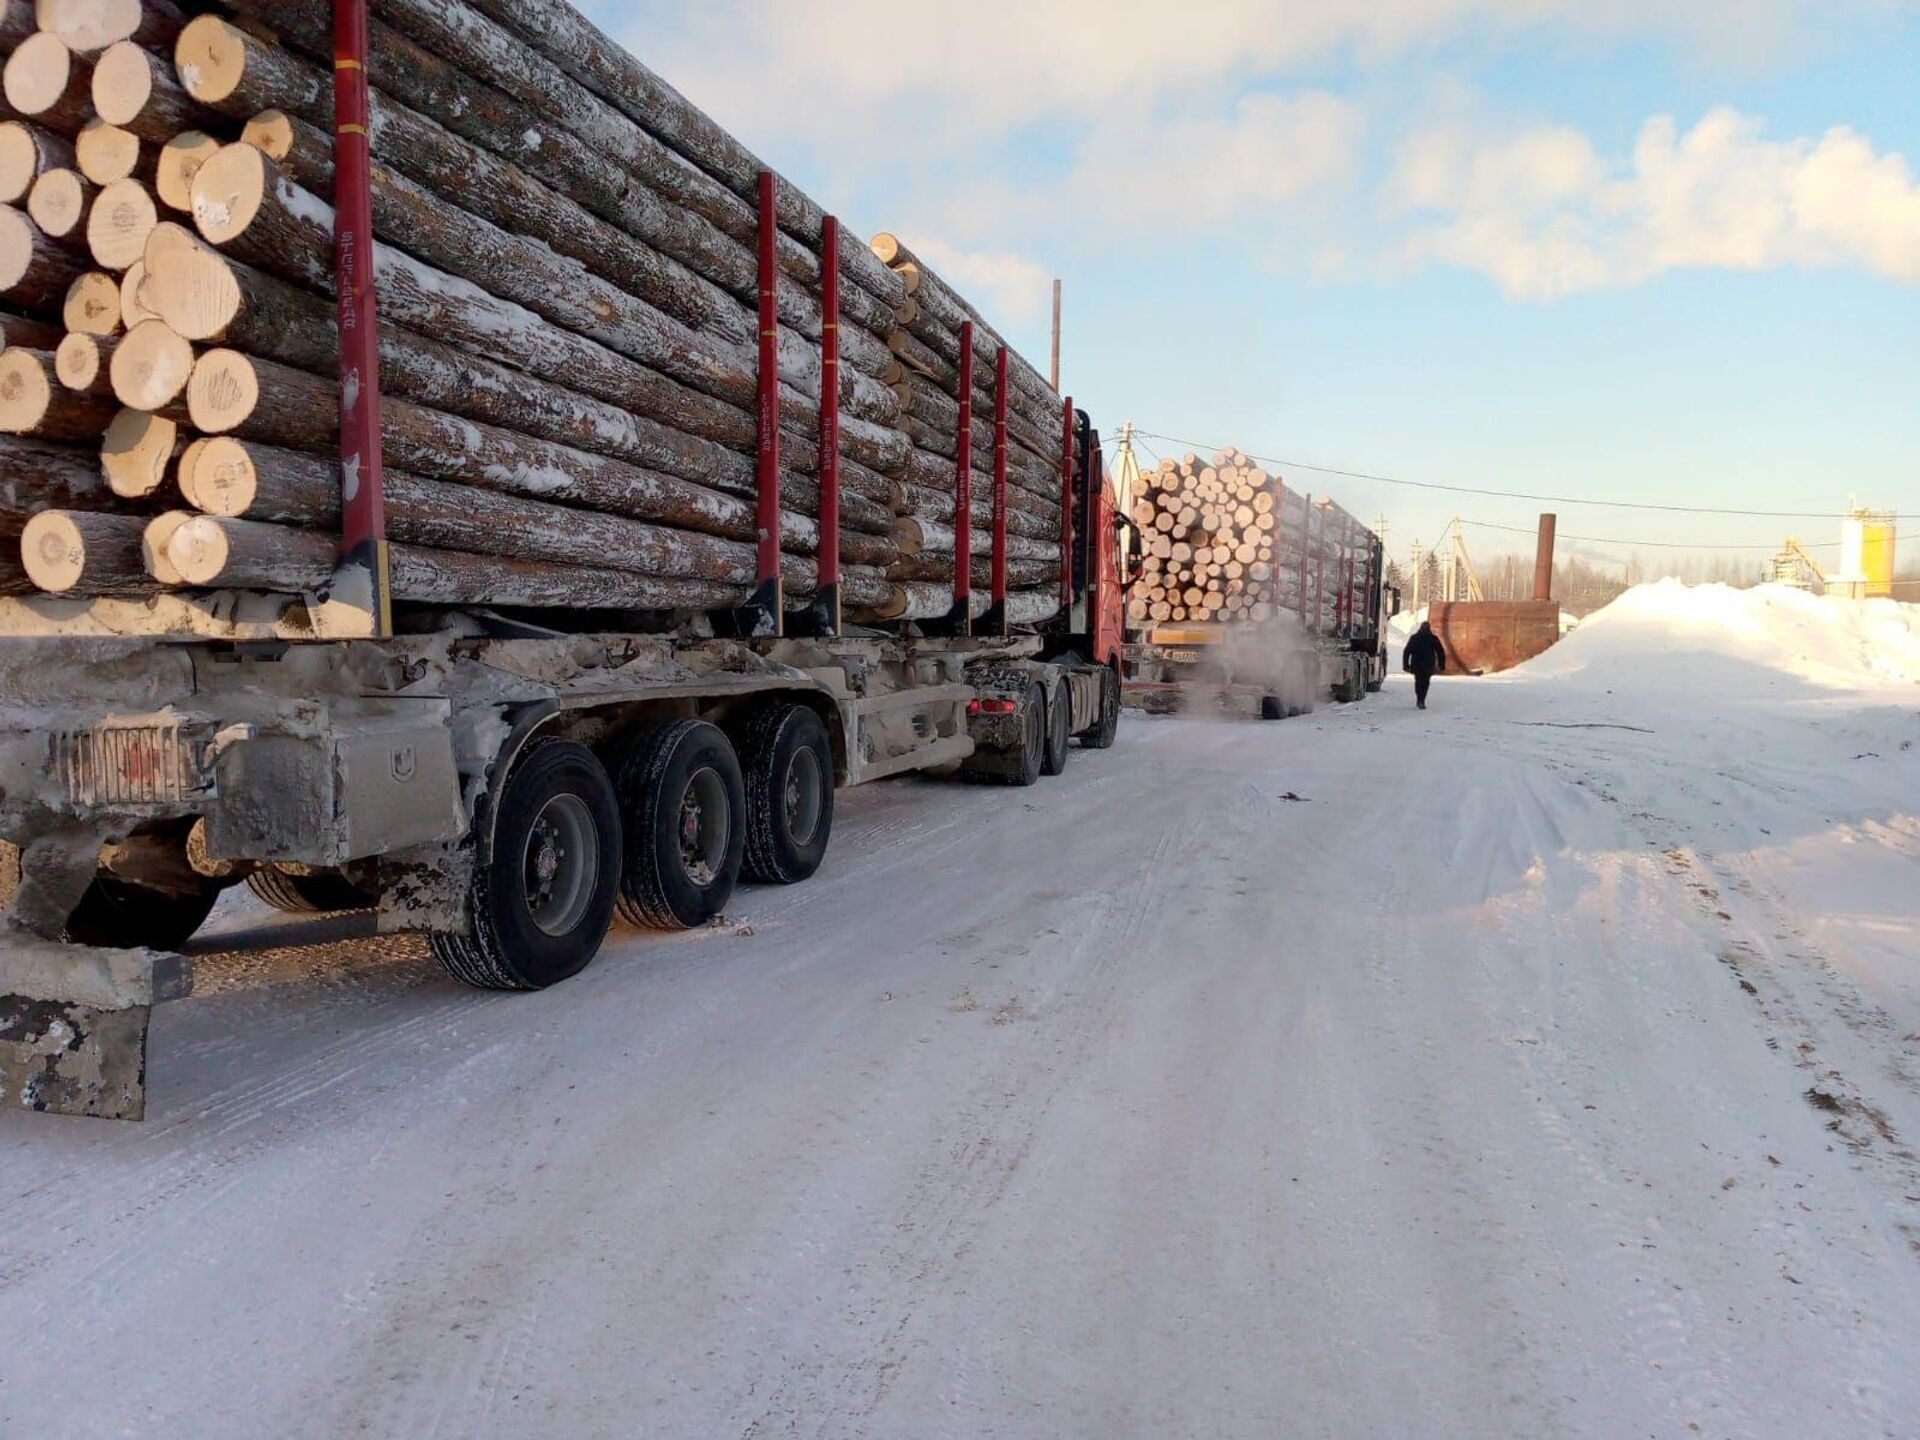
567	284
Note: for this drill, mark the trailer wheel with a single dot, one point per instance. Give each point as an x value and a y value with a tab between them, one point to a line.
541	906
1034	747
787	770
117	914
1053	757
308	894
1101	734
684	801
1271	708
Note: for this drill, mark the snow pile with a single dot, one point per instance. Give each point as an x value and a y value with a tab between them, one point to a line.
1676	637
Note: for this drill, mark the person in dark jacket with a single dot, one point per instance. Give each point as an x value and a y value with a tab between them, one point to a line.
1424	655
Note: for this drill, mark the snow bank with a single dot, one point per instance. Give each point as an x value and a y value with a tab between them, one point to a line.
1668	634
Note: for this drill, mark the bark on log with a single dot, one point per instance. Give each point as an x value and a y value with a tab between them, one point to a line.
577	46
36	476
917	535
81	552
27	151
422	81
31	403
281	322
918	500
493	190
932	601
29	330
930	567
289	232
297	411
35	269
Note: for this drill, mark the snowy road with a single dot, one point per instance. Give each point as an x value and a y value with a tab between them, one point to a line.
1468	1095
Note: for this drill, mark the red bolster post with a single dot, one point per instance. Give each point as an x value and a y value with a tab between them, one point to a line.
824	615
999	603
363	516
959	620
1066	509
764	614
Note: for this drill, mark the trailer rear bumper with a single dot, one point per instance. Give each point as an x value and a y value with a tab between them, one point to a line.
73	1024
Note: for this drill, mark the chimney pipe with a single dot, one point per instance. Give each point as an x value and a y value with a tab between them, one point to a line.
1543	561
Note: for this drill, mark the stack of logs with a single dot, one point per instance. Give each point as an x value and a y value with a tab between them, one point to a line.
1210	541
566	286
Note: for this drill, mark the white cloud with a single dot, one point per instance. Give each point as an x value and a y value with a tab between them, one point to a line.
1544	215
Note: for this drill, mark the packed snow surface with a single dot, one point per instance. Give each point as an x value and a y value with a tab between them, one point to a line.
1545	1064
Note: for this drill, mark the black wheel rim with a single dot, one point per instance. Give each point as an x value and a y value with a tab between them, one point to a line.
804	796
704	826
561	865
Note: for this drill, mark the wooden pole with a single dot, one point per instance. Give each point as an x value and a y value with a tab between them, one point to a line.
1056	334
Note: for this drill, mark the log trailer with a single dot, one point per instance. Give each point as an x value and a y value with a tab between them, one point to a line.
1325	638
479	775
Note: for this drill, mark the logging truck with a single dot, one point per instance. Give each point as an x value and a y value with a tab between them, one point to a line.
501	787
1252	598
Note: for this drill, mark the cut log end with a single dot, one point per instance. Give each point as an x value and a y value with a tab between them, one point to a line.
92	306
228	191
222	392
106	153
37	74
133	304
16	246
26	391
211	56
188	285
88	25
271	131
180	160
77	363
122	83
155	541
135	452
58	202
119	223
151	366
218	477
19	161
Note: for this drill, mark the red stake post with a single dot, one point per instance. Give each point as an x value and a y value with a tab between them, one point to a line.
997	613
959	620
1066	508
824	615
363	518
764	613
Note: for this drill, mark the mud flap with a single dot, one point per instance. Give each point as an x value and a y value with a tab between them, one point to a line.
73	1025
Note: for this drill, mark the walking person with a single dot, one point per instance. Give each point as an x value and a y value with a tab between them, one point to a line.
1423	656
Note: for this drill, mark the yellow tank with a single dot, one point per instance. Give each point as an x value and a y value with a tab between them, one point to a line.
1878	541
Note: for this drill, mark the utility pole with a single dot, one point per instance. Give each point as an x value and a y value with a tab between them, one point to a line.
1414	609
1056	333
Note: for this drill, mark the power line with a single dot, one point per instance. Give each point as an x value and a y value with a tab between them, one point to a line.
1509	494
1649	544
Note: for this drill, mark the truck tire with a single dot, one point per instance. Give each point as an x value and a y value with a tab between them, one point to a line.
1101	734
1053	757
541	905
1027	763
786	764
308	894
684	802
1271	708
117	914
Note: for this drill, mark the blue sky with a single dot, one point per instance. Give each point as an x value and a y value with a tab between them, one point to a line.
1645	251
